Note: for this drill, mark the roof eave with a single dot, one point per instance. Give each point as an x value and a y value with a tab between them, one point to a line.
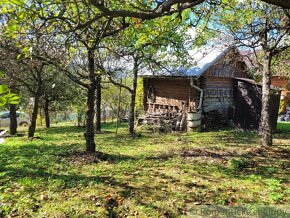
169	77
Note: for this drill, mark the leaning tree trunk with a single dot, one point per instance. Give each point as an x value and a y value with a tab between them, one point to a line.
266	128
13	119
133	98
90	130
31	129
98	103
46	113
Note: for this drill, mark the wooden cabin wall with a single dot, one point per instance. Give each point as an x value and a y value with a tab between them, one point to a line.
279	82
218	94
284	85
170	92
217	83
231	65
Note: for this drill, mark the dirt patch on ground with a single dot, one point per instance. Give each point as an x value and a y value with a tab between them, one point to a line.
81	158
85	158
222	156
204	152
276	152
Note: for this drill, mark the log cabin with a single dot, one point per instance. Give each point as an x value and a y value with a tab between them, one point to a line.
198	97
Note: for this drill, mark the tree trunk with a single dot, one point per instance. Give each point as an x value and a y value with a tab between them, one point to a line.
90	130
266	128
40	116
133	98
80	120
118	108
98	104
46	113
13	119
105	115
31	129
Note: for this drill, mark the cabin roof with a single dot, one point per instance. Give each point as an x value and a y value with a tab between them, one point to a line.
204	59
251	81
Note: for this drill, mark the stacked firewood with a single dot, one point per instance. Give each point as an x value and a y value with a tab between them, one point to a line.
164	122
213	120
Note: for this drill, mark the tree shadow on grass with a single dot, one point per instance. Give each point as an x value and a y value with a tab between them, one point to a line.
143	193
237	138
264	162
283	133
38	161
106	128
43	178
242	148
62	130
123	140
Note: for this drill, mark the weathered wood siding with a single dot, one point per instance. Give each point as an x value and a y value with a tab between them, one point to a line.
218	94
217	81
170	92
280	82
231	65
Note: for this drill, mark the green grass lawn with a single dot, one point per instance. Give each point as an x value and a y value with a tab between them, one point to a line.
154	175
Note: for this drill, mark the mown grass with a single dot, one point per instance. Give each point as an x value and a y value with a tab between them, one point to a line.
154	175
